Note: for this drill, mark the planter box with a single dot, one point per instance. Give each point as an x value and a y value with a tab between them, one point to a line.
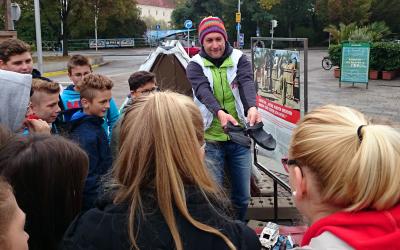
373	74
388	75
336	72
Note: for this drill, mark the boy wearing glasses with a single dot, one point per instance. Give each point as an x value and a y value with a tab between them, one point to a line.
140	83
87	131
79	67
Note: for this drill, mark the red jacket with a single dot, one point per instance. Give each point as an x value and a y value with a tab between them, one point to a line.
361	230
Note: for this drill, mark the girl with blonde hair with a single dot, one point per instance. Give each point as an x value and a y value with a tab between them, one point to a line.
345	175
162	196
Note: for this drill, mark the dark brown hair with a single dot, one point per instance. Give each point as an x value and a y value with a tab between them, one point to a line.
139	79
12	47
78	60
7	211
47	173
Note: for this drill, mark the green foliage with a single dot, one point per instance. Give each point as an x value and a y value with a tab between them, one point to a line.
383	55
351	32
337	11
335	53
388	11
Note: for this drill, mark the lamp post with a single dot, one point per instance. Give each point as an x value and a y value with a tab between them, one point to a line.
38	36
274	24
238	19
96	14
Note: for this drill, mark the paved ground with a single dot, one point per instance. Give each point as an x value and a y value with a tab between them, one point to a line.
381	101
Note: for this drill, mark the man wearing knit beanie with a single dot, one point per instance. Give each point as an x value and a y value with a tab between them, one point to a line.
224	90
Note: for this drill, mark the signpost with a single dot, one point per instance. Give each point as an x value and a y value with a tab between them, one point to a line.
158	28
355	63
188	25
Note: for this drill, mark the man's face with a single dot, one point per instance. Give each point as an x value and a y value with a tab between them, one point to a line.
21	63
45	106
99	105
78	72
214	45
145	89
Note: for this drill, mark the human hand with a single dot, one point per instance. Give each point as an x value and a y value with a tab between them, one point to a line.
37	126
224	118
253	116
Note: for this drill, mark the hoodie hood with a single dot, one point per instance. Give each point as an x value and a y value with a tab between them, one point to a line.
14	98
70	98
361	230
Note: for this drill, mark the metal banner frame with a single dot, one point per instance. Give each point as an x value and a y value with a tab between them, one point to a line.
272	175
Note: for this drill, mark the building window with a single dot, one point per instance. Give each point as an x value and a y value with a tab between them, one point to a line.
148	12
163	13
156	12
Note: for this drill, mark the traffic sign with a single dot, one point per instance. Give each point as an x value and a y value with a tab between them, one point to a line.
238	26
241	40
238	17
158	26
188	24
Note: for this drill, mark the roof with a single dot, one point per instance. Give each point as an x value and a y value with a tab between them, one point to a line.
158	3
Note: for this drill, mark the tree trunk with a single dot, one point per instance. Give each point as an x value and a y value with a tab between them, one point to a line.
65	37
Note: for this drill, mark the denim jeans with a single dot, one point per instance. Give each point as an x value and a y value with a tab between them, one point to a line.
237	160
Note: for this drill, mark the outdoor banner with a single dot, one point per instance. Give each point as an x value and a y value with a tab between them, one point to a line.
276	73
112	43
355	62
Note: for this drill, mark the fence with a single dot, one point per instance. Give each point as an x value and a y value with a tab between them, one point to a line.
83	44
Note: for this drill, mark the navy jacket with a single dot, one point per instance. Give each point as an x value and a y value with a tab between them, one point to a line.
88	132
106	227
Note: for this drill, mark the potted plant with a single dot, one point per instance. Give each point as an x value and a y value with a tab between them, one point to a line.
391	60
335	54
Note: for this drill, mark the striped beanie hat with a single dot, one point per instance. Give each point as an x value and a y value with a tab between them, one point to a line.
211	24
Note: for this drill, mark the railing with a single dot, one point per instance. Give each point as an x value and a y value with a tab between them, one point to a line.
83	44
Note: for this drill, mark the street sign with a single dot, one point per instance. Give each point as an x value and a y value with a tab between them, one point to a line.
158	27
355	62
238	26
241	40
238	17
188	24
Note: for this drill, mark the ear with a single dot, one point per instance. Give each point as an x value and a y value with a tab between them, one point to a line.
299	183
85	103
29	110
2	64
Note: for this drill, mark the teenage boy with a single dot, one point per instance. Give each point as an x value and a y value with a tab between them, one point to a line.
79	67
44	101
86	129
15	55
140	83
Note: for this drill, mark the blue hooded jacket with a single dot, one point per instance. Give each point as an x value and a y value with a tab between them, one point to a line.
71	99
87	131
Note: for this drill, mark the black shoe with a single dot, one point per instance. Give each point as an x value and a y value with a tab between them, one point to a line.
237	134
260	137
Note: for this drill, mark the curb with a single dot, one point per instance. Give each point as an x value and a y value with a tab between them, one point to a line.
62	72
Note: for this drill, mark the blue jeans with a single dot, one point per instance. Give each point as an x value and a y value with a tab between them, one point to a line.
237	160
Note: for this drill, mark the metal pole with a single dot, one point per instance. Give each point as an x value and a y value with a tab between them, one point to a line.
305	43
62	31
38	36
188	43
238	29
95	24
272	37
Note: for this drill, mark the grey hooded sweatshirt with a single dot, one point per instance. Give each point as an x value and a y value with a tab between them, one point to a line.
15	91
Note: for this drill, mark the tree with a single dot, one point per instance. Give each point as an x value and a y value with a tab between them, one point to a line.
336	11
388	11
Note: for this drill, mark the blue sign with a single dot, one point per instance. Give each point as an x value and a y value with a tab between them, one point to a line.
188	24
158	27
238	26
241	39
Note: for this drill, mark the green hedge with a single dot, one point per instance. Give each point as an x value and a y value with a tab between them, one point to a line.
383	55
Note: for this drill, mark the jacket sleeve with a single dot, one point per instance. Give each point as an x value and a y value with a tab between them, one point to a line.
112	115
201	87
247	88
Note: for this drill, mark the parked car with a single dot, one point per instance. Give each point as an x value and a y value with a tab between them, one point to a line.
191	47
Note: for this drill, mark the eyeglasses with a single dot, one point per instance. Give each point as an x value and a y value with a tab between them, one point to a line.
286	163
149	91
203	147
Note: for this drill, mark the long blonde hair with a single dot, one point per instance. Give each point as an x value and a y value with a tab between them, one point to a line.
161	136
353	171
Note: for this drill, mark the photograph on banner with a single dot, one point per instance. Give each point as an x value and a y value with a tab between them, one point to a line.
276	73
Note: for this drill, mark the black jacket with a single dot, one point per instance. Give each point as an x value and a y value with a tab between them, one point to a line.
105	227
88	132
